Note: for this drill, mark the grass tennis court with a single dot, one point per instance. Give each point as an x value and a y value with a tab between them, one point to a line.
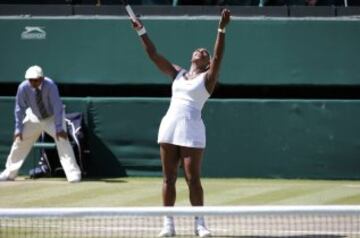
118	192
134	192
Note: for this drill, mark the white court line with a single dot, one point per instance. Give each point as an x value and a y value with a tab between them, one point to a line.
352	186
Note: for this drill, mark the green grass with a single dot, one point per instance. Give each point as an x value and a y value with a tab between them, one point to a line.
147	192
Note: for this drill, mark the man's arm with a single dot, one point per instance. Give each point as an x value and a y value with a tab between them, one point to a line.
56	103
20	107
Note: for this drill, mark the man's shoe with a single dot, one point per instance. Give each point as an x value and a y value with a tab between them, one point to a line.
75	180
167	231
4	177
202	231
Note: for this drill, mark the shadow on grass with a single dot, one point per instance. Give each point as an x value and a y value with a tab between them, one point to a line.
106	180
288	236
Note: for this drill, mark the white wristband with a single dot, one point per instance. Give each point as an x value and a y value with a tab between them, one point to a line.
142	31
221	30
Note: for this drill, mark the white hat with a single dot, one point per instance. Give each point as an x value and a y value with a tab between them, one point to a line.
34	72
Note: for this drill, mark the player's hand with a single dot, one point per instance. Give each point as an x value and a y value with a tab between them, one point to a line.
18	135
137	25
225	18
61	134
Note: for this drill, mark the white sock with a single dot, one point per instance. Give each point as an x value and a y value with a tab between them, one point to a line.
199	221
168	221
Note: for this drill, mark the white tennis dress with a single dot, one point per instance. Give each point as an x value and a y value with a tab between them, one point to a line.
182	124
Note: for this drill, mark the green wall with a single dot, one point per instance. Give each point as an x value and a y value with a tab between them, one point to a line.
245	138
258	52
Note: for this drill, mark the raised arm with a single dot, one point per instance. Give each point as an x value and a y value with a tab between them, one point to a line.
213	72
160	61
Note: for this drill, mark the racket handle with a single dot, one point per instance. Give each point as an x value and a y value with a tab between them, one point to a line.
130	12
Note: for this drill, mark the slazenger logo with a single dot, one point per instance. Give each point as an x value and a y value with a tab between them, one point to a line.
33	33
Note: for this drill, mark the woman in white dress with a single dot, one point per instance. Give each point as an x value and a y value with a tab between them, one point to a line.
182	132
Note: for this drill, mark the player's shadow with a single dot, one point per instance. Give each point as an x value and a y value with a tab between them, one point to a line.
105	180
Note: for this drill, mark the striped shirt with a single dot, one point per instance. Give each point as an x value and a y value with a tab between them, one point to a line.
26	98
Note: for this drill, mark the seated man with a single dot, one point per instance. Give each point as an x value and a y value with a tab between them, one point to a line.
39	108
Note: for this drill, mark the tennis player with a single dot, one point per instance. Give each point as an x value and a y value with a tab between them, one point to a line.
182	131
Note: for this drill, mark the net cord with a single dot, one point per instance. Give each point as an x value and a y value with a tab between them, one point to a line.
179	211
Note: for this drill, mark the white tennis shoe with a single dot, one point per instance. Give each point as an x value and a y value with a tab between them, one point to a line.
167	231
200	227
202	231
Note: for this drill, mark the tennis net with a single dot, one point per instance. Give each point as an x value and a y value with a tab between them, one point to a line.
239	221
